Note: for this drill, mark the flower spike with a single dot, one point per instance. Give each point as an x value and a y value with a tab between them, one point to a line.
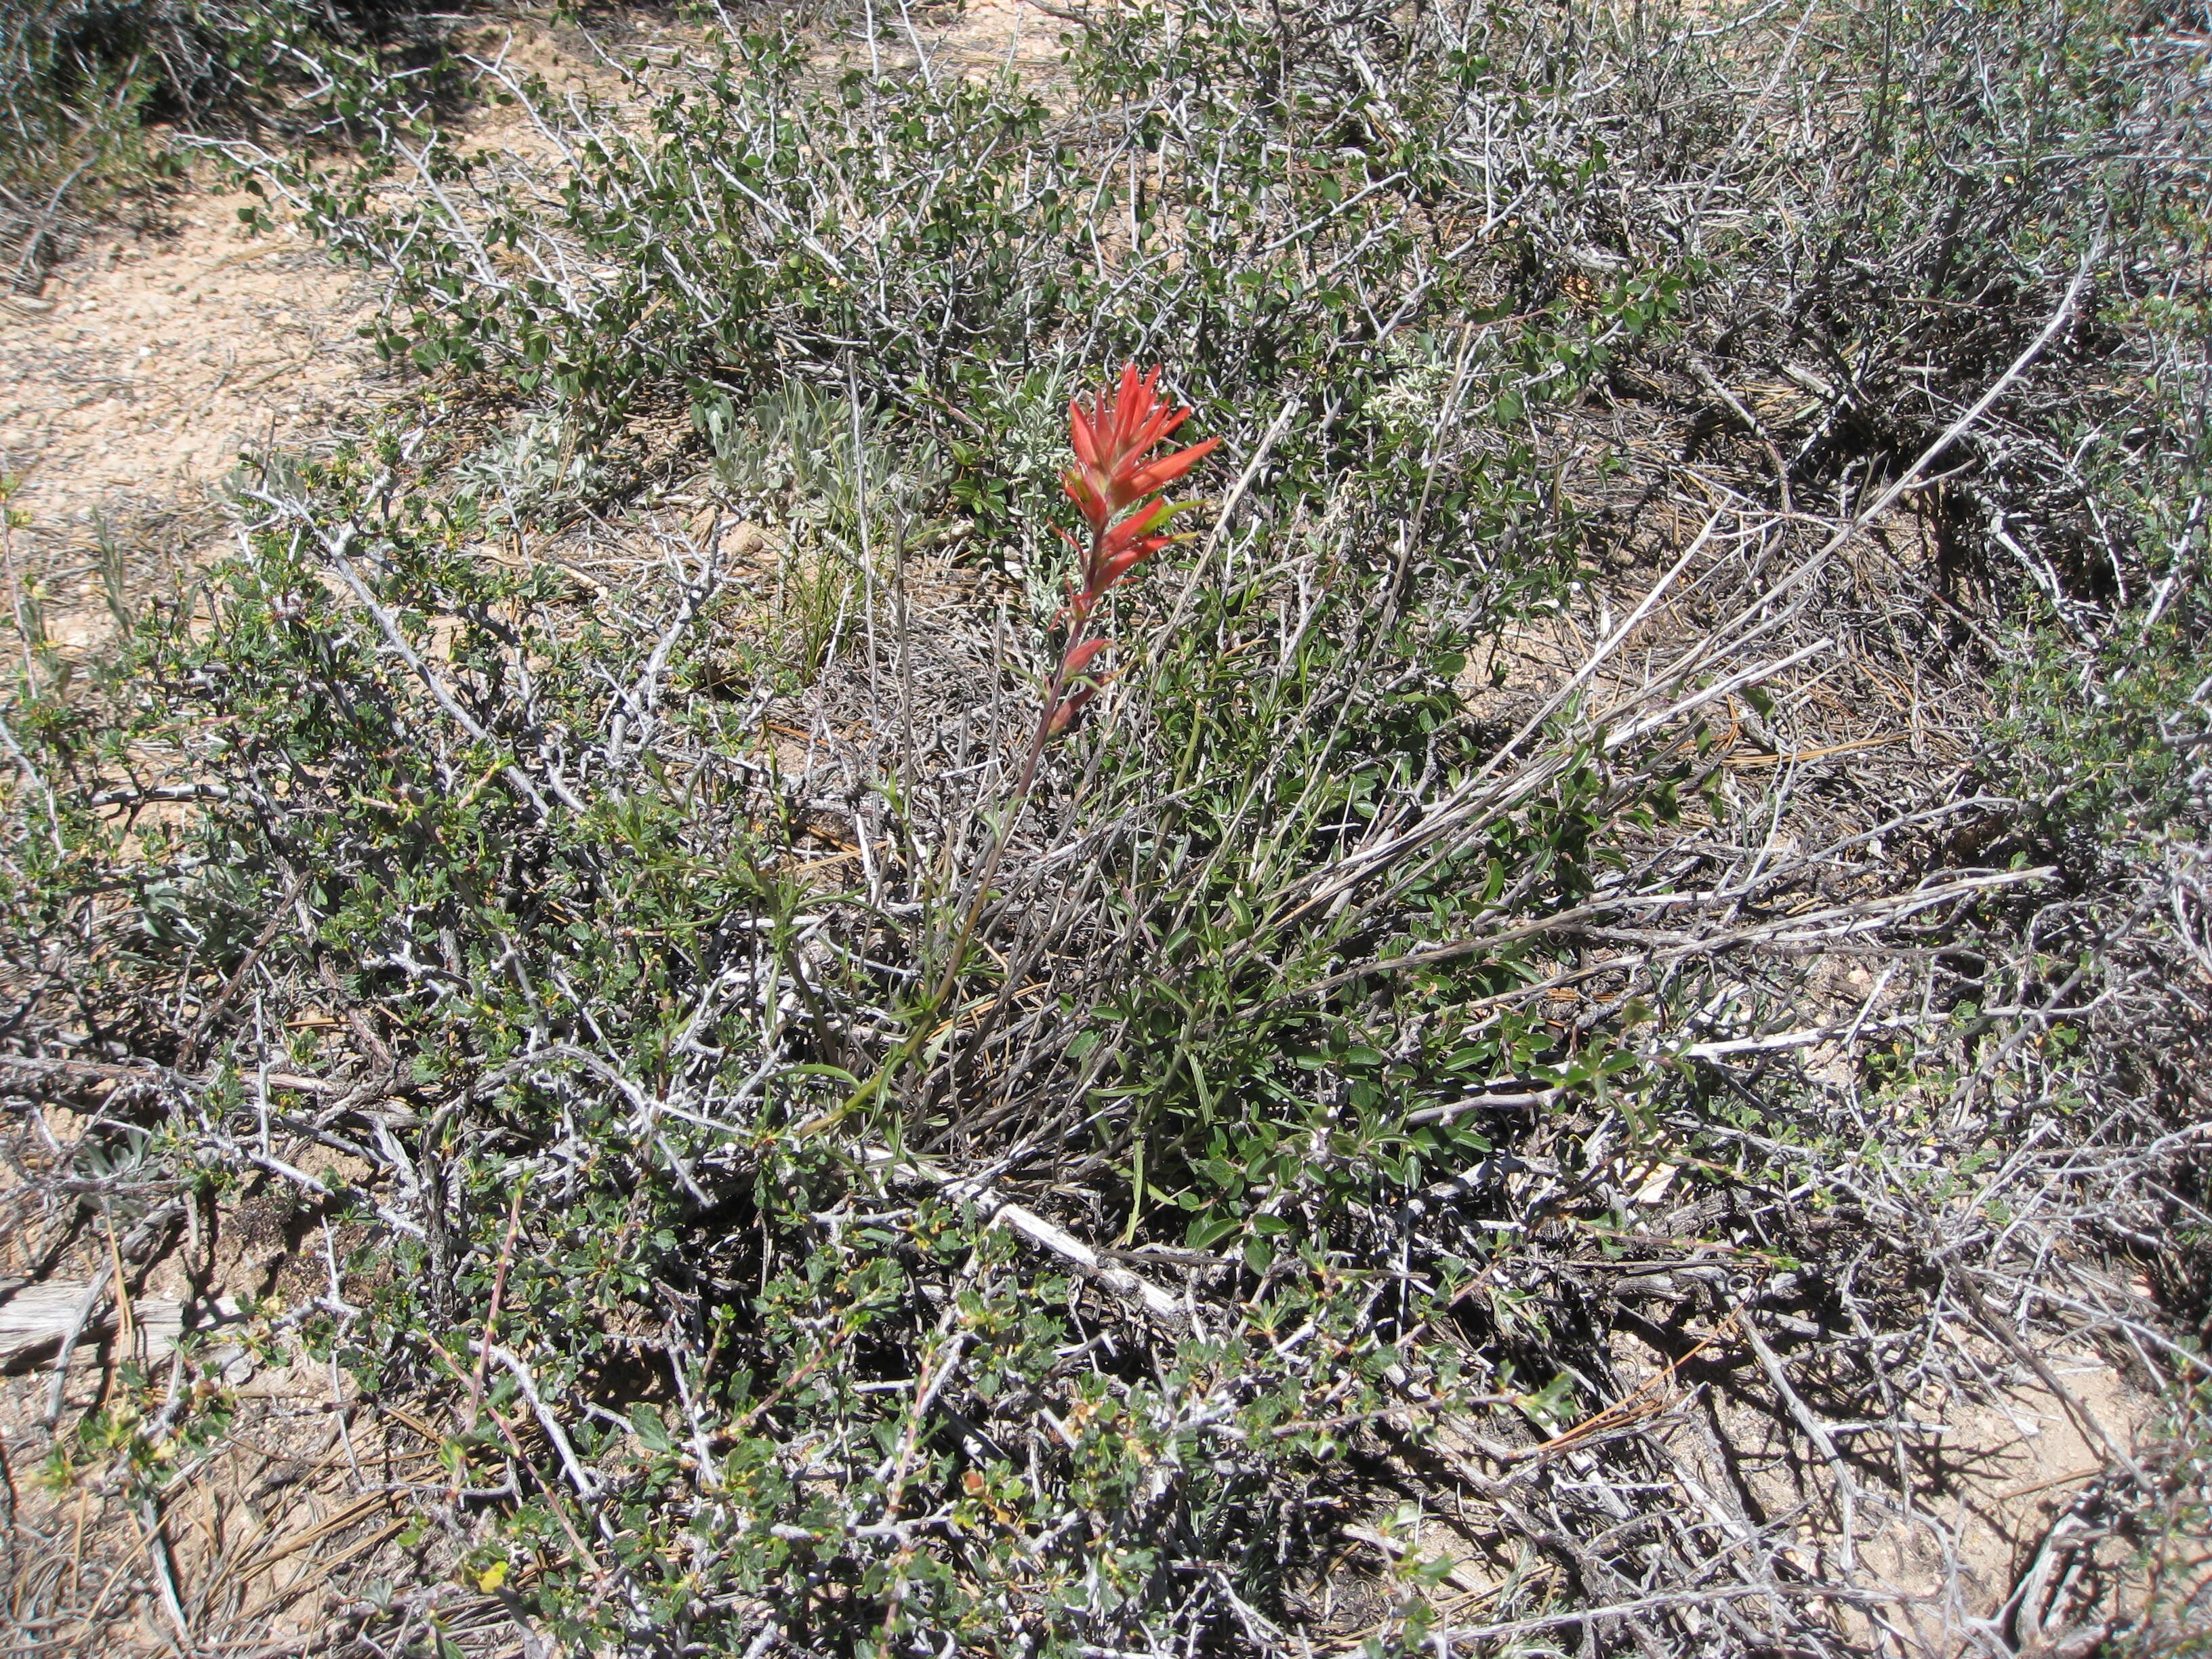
1115	483
1111	442
1116	487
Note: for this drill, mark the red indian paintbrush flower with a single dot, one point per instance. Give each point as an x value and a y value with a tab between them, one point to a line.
1113	475
1112	479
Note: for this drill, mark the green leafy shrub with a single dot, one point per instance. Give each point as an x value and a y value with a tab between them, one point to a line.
1427	970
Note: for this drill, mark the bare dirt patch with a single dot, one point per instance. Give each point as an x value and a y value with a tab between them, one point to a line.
988	37
148	362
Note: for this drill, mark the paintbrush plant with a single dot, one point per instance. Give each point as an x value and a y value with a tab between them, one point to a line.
1119	492
1119	487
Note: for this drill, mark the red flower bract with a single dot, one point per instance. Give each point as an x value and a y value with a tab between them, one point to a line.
1111	442
1112	475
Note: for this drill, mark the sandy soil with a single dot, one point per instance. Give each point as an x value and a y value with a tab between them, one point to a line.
986	37
133	382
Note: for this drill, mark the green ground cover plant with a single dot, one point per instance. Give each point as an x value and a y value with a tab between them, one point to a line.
1640	869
